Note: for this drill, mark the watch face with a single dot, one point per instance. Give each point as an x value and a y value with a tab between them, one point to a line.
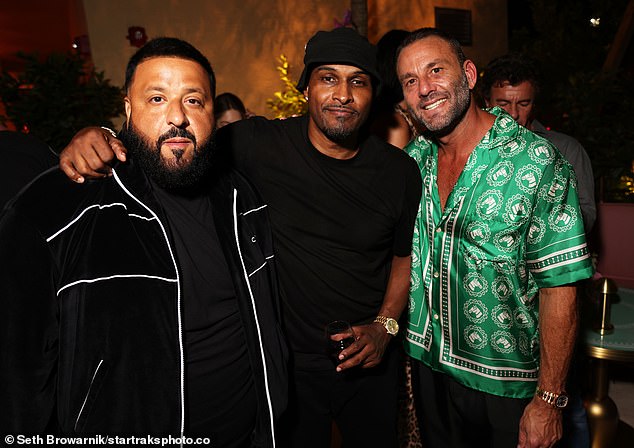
392	326
561	401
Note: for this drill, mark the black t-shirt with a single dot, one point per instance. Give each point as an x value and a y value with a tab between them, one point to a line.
336	223
220	395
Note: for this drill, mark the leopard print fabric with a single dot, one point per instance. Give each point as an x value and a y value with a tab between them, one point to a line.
408	433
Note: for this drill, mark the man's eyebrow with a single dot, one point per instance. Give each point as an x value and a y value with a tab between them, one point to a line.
406	75
429	65
195	90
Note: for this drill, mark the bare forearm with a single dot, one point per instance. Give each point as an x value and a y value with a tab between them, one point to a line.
397	290
540	425
558	320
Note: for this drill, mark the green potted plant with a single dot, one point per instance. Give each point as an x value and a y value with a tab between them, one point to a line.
56	97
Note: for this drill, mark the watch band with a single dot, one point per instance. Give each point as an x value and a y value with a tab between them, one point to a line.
558	401
390	324
381	319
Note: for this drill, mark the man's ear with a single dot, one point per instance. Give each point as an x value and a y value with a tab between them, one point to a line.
128	108
471	72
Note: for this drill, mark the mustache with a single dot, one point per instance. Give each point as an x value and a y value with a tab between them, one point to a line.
340	107
430	98
176	132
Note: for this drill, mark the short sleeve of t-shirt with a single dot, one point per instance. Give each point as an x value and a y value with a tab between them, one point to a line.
411	201
236	142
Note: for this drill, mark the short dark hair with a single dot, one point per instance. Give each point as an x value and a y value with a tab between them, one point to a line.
423	33
169	47
512	68
391	91
227	101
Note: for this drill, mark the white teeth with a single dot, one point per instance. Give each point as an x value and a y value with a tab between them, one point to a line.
435	105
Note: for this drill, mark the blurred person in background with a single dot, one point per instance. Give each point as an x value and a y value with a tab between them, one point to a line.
228	108
392	121
512	82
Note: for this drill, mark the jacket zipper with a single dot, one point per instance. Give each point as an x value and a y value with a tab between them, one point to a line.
178	294
255	314
94	375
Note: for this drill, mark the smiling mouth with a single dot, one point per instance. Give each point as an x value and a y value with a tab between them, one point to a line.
435	104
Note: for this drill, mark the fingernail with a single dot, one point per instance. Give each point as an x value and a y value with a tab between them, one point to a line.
79	180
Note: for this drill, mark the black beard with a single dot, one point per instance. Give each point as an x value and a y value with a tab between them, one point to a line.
185	180
338	134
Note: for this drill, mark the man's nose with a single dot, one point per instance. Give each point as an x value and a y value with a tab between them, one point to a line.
513	111
343	93
176	115
425	87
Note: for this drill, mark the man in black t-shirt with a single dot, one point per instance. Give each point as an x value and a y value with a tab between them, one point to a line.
342	205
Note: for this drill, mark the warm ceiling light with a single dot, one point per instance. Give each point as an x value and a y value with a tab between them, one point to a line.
595	21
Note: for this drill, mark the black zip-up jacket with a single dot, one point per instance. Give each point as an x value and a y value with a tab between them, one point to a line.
91	337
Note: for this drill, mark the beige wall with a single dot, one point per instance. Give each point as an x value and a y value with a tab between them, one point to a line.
244	38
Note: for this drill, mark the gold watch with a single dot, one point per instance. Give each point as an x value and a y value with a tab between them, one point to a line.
558	401
390	324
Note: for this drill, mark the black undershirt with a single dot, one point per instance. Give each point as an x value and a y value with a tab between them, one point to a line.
220	397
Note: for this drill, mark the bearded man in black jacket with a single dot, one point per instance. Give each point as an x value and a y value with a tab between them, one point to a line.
144	304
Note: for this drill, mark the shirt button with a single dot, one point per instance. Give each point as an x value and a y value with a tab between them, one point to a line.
438	229
436	274
436	316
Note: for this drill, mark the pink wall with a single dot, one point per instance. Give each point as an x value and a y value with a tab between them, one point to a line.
616	232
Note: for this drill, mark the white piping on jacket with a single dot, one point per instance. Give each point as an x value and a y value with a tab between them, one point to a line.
255	314
120	204
178	291
94	375
110	277
263	264
253	210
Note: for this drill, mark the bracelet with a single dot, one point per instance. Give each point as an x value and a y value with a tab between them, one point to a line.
113	133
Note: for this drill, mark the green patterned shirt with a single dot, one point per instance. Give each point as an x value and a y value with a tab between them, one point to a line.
511	225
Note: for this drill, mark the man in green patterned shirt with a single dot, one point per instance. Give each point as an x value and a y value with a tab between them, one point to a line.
498	243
